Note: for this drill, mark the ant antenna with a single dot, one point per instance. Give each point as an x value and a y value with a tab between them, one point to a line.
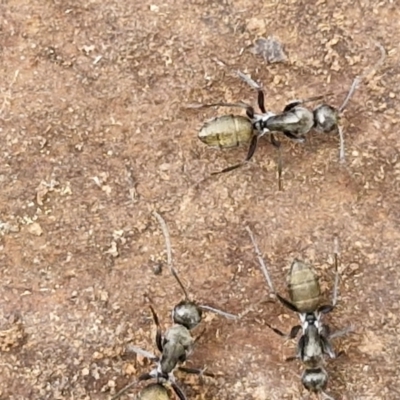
280	186
326	396
260	260
336	253
353	87
164	229
195	106
359	78
341	145
125	389
165	232
220	312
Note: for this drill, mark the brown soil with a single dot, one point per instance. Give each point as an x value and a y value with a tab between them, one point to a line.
94	138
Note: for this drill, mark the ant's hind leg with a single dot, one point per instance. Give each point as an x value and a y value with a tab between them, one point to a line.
178	391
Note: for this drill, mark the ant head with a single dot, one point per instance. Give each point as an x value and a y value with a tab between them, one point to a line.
187	313
326	118
315	379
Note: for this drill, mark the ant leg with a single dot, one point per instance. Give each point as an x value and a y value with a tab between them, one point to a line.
178	391
228	169
261	262
295	103
276	143
342	155
280	187
146	377
291	105
326	396
199	336
144	353
261	103
325	330
196	371
158	333
252	148
341	332
326	308
123	390
327	347
250	112
277	331
335	288
198	106
299	139
250	153
143	377
287	303
293	333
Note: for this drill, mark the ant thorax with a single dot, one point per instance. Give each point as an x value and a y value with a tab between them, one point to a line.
259	122
177	345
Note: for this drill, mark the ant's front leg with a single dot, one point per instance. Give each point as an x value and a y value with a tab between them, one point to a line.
196	371
158	333
291	136
293	333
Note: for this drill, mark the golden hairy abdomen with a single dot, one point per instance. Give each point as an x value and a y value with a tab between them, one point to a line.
304	289
226	131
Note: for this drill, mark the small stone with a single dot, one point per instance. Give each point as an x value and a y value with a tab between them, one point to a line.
35	229
270	49
129	369
354	266
157	269
97	355
111	384
165	167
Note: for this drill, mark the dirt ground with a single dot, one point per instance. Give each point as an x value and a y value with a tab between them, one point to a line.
95	137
